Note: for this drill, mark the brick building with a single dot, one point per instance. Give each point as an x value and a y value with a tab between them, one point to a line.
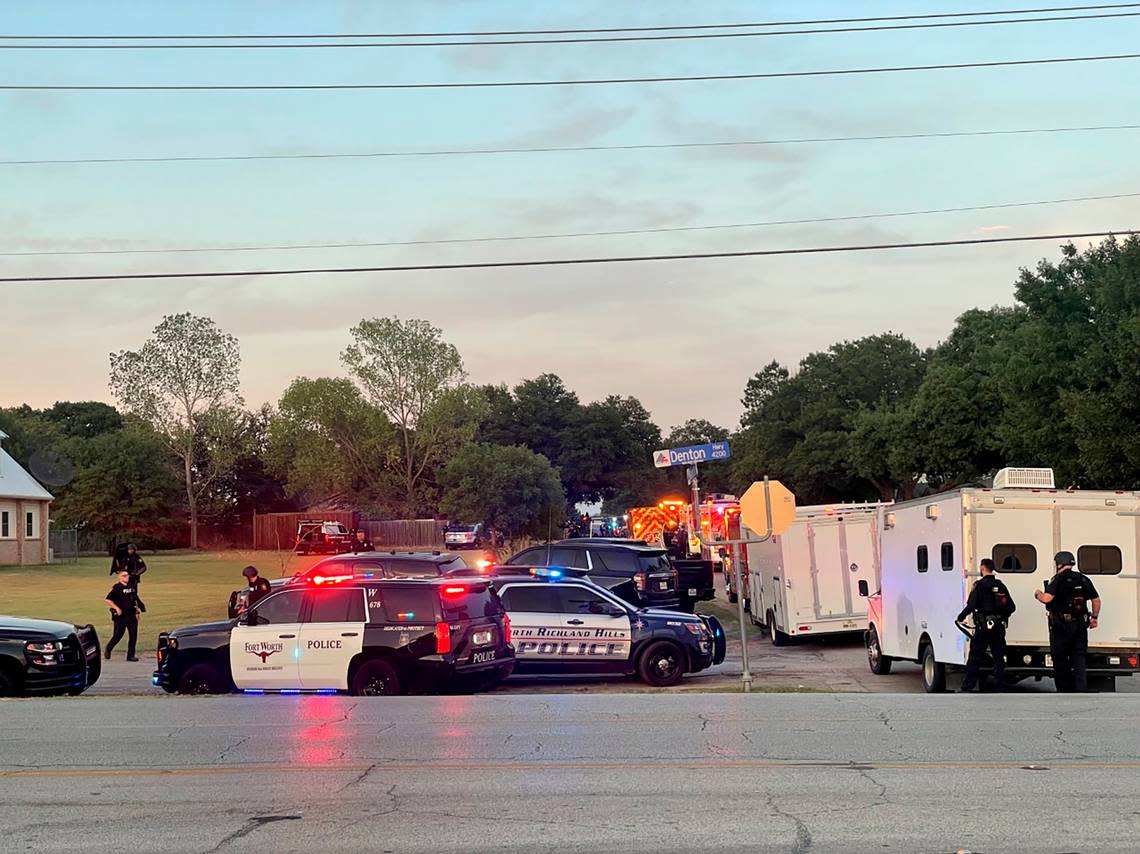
23	514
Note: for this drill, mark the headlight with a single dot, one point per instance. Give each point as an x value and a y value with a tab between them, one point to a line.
50	646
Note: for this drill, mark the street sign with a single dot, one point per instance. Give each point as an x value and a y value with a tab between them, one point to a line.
754	507
691	455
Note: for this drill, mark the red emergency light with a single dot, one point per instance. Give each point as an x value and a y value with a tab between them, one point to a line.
330	579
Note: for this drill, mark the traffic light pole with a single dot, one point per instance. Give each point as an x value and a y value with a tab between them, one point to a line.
694	481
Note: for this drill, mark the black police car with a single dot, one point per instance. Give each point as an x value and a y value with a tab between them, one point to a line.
639	573
47	657
390	564
563	623
363	636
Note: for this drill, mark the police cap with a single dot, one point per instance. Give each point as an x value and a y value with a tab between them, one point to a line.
249	571
1064	559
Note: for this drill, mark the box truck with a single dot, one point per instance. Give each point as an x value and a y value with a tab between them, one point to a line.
931	548
805	582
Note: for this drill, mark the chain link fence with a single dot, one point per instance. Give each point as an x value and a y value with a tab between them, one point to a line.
63	545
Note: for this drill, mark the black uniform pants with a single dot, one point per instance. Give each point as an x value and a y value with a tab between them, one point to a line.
993	641
126	624
1069	645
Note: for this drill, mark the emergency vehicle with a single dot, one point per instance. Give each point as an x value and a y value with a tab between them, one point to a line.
563	623
805	582
367	636
652	523
931	548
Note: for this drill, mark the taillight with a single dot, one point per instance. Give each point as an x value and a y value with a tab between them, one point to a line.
442	638
639	580
454	591
506	628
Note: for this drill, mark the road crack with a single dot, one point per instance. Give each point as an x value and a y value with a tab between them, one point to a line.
803	841
249	827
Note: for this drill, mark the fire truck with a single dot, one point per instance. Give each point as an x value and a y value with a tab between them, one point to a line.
652	523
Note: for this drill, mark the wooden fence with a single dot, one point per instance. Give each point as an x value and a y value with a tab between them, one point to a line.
274	531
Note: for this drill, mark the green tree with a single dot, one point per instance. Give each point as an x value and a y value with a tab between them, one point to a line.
416	379
508	487
183	382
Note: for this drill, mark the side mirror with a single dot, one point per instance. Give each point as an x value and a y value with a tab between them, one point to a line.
864	591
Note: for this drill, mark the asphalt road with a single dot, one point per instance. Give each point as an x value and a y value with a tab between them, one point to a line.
762	773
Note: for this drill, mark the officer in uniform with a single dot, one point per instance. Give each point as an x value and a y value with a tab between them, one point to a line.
361	541
128	558
1073	607
991	606
259	587
125	605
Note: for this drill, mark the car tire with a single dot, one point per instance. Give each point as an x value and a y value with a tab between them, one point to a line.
880	664
376	678
10	682
1102	684
662	664
203	678
933	672
777	637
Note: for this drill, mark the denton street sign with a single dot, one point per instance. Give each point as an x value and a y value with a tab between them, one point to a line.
691	455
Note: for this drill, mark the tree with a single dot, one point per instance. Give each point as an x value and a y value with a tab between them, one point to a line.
327	442
83	419
183	382
416	378
511	488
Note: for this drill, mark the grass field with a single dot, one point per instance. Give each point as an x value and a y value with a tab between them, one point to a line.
179	588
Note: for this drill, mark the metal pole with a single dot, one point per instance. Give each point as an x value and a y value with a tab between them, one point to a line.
746	673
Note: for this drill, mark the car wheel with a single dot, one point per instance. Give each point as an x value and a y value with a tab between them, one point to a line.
933	672
9	683
376	678
777	637
202	678
880	664
662	664
732	597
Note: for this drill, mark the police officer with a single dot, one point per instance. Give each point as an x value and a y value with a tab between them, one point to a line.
259	587
991	606
125	605
361	542
128	559
1073	607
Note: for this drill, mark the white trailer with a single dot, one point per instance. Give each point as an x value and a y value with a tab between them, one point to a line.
805	582
931	548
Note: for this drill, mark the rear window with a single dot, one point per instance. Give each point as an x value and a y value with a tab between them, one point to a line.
1015	557
412	568
401	605
655	563
1100	560
616	560
474	604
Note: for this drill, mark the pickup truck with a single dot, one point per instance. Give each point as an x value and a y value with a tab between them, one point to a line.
694	582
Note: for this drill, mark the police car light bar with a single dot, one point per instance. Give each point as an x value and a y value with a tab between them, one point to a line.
545	572
330	579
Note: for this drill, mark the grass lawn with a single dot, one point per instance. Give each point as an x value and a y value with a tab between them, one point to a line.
179	588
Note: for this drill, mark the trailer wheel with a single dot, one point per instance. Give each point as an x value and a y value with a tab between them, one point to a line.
933	672
1102	684
880	664
778	637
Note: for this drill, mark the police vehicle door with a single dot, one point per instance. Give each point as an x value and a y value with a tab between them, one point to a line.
332	634
536	619
264	655
597	629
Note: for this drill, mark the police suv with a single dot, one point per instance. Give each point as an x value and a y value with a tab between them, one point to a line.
367	636
47	657
563	623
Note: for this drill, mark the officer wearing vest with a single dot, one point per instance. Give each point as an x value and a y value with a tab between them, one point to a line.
1073	606
991	606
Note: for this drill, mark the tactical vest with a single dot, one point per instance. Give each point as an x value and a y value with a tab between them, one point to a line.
993	598
1069	594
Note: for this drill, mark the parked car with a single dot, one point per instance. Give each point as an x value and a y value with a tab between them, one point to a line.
363	565
366	636
613	563
47	657
316	537
464	536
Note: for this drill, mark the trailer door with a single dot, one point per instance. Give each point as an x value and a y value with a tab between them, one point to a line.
827	593
861	562
1105	546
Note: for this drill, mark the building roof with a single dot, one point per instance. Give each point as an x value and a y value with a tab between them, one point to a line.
17	483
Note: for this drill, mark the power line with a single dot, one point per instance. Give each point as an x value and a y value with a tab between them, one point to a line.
734	34
560	262
453	152
503	84
560	235
735	25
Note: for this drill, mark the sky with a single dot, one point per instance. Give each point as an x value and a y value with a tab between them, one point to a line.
682	336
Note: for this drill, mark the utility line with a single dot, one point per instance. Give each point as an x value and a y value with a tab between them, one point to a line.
560	262
504	84
661	28
453	152
520	237
734	34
